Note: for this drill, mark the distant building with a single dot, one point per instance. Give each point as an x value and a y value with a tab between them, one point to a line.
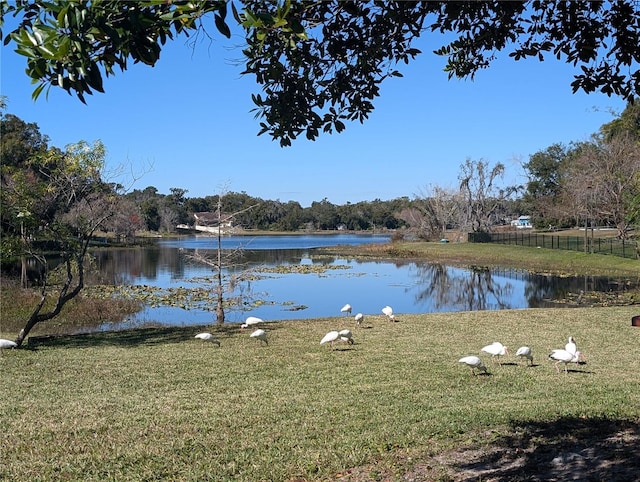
523	222
211	222
210	219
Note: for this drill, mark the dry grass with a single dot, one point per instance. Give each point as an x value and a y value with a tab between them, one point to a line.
80	314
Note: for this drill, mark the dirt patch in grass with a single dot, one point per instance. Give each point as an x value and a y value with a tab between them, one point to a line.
567	449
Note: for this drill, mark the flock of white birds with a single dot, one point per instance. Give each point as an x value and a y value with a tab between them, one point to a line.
332	338
570	354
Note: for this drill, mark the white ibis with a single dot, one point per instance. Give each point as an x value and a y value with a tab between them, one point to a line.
7	344
388	311
346	309
251	321
566	357
260	335
346	336
330	338
473	362
359	319
496	349
525	352
571	346
208	337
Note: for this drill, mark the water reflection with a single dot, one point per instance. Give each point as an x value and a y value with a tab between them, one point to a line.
408	286
451	289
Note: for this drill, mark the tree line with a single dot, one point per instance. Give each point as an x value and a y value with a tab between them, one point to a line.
594	182
160	212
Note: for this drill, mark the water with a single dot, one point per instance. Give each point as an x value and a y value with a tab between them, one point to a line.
275	242
328	282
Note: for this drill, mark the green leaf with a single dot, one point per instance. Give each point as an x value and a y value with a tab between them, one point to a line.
235	13
222	26
31	38
95	78
37	91
296	26
27	52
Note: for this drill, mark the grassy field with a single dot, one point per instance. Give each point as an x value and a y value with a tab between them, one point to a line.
157	404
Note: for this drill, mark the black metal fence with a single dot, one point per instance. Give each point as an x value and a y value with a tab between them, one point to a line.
616	247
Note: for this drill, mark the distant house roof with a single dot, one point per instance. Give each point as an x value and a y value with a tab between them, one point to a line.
208	218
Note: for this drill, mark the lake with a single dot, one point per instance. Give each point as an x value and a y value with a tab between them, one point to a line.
289	279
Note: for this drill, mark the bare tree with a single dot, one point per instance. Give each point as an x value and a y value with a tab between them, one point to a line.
604	182
223	259
168	219
484	200
127	219
433	211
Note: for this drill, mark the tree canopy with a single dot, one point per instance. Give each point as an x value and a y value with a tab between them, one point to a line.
320	64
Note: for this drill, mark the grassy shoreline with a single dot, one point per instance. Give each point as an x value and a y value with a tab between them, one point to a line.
536	260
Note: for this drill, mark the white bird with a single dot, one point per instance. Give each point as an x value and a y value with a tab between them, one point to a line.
347	336
473	362
6	344
388	311
525	352
571	346
251	321
566	357
260	335
346	309
496	349
208	337
359	319
330	338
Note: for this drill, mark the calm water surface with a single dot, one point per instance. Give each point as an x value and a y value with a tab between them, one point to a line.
407	286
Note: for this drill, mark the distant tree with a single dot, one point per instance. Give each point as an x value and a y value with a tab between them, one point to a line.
324	214
438	208
383	213
420	220
20	141
625	124
151	214
169	219
604	180
293	218
126	220
545	172
320	64
267	214
483	198
239	203
356	217
197	205
174	206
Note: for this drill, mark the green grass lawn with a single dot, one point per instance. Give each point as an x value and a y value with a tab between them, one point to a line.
157	404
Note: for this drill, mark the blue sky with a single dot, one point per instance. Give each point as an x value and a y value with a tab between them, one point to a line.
186	123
